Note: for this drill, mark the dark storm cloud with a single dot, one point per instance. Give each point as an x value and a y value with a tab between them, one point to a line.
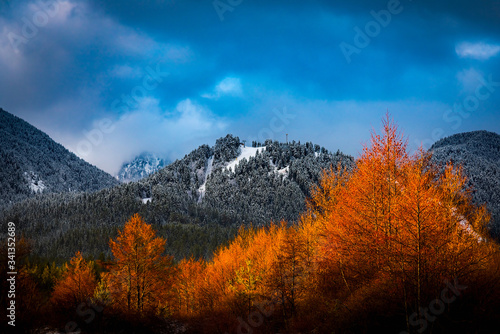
226	66
298	42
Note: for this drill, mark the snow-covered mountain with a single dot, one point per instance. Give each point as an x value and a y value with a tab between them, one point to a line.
216	187
478	152
32	163
142	166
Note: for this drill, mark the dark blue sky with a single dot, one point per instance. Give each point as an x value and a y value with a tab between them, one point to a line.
111	79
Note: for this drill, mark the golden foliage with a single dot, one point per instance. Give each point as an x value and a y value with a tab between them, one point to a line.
76	285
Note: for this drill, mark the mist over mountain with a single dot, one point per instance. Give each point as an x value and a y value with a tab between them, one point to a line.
140	167
479	154
32	163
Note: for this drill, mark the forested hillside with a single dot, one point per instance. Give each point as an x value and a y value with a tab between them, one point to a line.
197	202
394	245
32	163
478	152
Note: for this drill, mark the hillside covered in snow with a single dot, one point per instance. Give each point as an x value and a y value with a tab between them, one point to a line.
32	163
224	185
478	152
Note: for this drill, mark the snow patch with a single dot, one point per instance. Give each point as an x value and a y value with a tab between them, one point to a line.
146	200
246	153
202	189
35	184
464	223
284	171
38	186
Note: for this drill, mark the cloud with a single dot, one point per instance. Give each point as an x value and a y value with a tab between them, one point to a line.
65	79
469	79
75	50
126	71
479	51
230	86
337	124
147	128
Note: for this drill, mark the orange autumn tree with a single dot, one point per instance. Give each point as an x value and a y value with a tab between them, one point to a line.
262	270
379	241
140	276
77	284
396	227
187	286
288	272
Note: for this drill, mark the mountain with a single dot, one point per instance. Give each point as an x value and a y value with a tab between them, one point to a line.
197	202
32	163
479	154
142	166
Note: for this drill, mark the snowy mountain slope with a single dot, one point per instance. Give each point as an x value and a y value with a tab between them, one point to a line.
245	153
223	185
263	185
202	188
479	154
32	163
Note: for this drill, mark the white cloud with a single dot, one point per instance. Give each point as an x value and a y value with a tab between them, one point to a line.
149	128
480	51
343	124
230	86
42	13
126	71
469	80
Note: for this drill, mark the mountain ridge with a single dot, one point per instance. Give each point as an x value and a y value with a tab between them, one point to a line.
478	152
200	200
32	163
269	185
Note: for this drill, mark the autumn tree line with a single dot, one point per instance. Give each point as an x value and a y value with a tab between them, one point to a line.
393	245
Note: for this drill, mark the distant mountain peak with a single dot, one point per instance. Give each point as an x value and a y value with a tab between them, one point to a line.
141	166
